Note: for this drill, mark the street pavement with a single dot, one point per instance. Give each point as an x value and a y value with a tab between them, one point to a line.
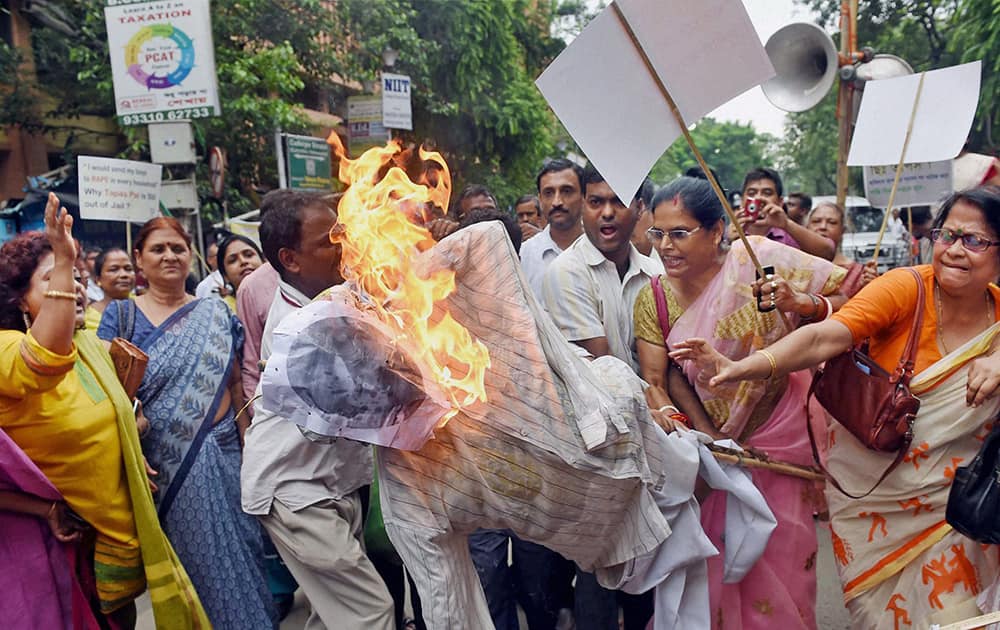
830	611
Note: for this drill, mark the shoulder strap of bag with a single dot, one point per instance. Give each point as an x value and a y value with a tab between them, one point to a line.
662	311
903	450
904	371
903	374
126	318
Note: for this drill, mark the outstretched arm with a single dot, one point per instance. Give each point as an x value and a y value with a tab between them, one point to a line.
803	348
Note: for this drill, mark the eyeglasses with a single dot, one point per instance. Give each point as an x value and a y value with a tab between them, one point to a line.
655	235
970	242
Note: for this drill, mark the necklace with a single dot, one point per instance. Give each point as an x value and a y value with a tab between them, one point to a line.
937	308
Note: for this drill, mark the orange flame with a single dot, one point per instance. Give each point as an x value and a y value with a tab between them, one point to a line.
380	229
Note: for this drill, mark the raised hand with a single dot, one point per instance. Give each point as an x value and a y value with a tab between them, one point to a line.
59	230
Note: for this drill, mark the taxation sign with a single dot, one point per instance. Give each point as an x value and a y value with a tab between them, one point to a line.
919	184
364	124
162	60
308	162
118	190
396	110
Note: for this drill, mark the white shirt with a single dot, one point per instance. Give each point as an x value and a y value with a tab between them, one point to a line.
587	299
94	292
279	462
536	255
209	286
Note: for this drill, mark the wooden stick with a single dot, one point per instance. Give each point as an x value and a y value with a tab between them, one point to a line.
909	241
899	167
976	622
746	460
694	149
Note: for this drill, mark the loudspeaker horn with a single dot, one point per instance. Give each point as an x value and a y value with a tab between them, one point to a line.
805	61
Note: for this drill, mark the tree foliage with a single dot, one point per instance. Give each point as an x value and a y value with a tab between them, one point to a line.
472	63
730	148
923	32
976	35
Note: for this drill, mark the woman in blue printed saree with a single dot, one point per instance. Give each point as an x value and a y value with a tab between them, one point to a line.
189	394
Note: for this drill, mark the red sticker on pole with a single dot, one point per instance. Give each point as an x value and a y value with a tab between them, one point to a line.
217	171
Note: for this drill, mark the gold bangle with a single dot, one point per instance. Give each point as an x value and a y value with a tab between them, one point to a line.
770	359
61	295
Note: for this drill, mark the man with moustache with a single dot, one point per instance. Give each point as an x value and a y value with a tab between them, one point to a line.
560	193
305	493
590	291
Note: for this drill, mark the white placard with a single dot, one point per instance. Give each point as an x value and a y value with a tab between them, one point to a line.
920	184
705	52
162	61
118	190
396	110
940	128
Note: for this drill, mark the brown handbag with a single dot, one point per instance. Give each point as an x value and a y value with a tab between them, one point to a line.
874	405
130	364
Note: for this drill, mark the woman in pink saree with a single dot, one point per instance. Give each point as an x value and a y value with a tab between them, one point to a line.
901	564
709	295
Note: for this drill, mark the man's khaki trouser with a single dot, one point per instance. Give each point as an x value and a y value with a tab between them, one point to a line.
321	544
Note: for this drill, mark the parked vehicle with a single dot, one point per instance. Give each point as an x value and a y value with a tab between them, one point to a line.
861	235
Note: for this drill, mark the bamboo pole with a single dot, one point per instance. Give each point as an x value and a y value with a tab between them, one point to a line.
899	167
845	106
746	460
687	135
976	622
694	149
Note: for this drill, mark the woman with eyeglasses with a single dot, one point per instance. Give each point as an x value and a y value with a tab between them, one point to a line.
828	219
898	558
710	292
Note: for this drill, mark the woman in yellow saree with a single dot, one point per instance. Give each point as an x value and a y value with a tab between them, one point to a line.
71	470
900	562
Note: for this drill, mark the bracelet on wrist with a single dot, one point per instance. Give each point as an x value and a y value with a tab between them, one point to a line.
771	362
682	418
817	305
829	308
670	408
60	295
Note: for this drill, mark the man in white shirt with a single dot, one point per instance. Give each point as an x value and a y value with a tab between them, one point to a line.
590	292
94	292
560	193
212	284
590	289
306	493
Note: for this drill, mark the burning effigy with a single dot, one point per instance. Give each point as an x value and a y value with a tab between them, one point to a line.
486	417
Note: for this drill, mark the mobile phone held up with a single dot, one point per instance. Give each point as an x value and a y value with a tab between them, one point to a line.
752	208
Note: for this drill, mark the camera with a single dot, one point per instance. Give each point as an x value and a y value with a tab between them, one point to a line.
752	208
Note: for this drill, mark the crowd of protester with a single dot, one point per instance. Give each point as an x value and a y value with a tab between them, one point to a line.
222	509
